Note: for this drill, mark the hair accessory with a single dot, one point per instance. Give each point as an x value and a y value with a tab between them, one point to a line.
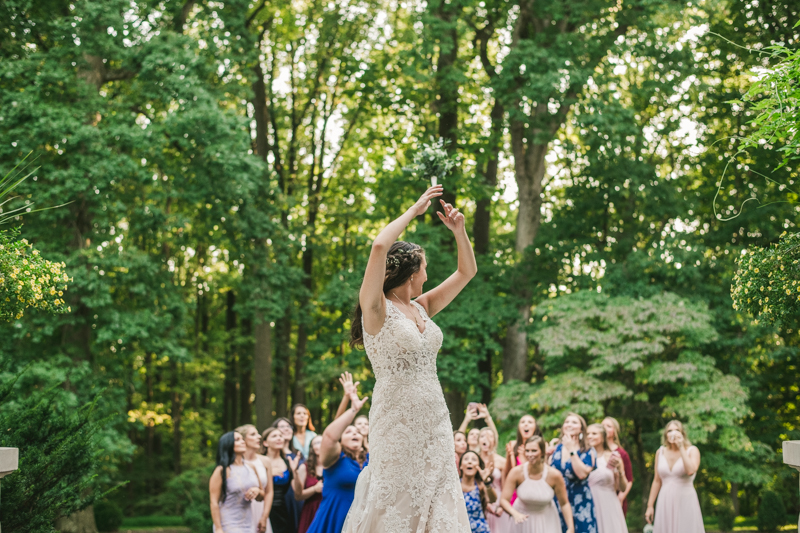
392	261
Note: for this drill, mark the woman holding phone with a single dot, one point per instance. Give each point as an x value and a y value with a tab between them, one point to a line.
411	483
677	462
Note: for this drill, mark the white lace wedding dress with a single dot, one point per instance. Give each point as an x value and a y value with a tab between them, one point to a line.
411	484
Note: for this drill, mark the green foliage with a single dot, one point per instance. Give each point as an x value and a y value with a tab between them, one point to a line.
775	98
107	516
191	491
771	512
726	516
59	457
766	284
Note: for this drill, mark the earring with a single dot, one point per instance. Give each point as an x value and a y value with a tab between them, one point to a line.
412	279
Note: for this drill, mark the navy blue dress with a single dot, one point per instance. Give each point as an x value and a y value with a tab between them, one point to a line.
580	497
337	495
280	517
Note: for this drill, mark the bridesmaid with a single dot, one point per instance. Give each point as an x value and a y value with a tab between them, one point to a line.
494	464
605	481
474	491
308	485
575	460
472	440
362	425
303	428
283	470
262	467
232	487
676	464
291	453
343	457
537	486
461	445
612	432
515	455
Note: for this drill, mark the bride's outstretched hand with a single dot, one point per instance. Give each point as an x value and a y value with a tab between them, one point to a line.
452	217
424	201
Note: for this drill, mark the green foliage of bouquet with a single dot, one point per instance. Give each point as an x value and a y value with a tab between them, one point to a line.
766	284
432	162
28	280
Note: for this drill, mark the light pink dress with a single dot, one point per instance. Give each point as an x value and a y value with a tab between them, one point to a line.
607	509
257	507
677	507
497	524
535	499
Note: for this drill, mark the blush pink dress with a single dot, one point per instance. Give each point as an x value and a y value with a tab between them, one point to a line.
497	524
677	507
535	498
607	509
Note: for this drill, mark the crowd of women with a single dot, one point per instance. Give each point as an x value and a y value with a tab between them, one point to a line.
288	479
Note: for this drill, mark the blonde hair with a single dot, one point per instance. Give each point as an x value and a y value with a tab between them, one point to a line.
242	430
602	431
679	426
489	431
616	428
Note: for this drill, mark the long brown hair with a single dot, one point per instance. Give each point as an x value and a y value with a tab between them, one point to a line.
478	479
582	437
403	261
311	462
267	432
309	424
361	455
291	425
536	432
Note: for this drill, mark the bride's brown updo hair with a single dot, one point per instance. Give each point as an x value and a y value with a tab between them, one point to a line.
403	261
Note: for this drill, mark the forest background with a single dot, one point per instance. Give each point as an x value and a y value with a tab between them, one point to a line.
227	165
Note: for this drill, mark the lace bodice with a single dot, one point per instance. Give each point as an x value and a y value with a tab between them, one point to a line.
400	349
411	484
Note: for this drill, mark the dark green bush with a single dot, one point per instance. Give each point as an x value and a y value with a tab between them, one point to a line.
107	516
726	516
192	488
771	512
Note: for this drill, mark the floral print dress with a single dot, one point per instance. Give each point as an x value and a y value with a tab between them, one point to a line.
578	491
477	520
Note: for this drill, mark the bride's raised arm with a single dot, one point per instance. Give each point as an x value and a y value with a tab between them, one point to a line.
439	297
371	295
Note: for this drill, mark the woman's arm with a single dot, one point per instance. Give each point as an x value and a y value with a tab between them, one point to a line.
329	447
348	386
467	419
437	298
511	483
299	481
626	461
214	492
371	295
571	446
511	459
691	459
560	489
487	416
654	490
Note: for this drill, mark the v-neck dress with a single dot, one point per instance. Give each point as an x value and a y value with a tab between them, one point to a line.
677	507
411	484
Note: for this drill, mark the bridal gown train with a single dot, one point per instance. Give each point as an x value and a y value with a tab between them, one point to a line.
411	484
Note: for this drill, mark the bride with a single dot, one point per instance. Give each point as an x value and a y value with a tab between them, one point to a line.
411	484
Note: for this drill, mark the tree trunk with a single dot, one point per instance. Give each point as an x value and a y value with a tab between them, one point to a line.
245	377
229	399
177	436
80	522
283	360
735	497
455	404
446	104
262	366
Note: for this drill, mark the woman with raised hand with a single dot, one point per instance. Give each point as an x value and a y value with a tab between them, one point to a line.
343	458
291	453
233	487
303	428
612	432
515	449
605	481
575	460
412	482
474	490
495	463
537	486
307	485
477	411
262	467
676	464
283	470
